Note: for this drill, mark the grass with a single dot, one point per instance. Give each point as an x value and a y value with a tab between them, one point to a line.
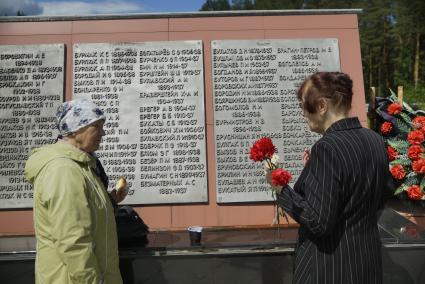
415	98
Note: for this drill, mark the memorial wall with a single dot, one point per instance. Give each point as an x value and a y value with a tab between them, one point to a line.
153	97
31	89
254	87
182	107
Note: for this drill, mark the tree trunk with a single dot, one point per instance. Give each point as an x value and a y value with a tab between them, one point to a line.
417	51
383	76
370	68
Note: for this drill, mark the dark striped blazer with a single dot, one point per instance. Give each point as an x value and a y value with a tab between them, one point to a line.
336	201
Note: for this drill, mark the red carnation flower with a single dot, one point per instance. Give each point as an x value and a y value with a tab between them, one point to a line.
280	177
392	153
415	152
394	108
397	171
414	192
419	123
419	166
262	149
386	128
415	137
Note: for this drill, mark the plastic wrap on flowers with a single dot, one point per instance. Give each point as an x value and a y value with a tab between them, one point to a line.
403	130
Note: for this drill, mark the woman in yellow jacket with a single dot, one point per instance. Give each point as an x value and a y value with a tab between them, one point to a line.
73	216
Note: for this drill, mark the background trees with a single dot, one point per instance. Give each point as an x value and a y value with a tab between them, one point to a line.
392	36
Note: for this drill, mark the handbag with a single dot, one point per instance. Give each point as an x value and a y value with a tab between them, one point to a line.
131	229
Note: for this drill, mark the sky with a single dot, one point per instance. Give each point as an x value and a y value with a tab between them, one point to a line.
90	7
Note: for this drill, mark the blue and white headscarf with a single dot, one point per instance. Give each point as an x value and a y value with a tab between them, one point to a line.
76	114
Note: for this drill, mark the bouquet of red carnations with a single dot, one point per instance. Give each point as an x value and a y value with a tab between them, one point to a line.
265	151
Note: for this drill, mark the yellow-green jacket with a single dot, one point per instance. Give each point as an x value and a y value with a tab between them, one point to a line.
73	217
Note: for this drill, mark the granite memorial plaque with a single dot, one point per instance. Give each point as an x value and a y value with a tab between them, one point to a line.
31	89
153	97
254	89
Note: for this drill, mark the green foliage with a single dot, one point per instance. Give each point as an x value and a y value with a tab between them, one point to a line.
402	125
412	180
400	189
422	185
402	166
215	5
392	37
399	145
242	5
402	161
406	119
388	31
220	5
416	98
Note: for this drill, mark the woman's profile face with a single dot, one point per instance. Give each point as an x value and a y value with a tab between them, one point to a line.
314	120
88	138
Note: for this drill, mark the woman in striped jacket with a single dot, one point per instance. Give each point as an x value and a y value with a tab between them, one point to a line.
340	190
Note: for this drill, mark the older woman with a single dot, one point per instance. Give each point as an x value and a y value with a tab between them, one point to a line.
338	194
74	218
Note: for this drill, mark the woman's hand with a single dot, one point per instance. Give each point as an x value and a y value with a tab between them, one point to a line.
119	195
121	190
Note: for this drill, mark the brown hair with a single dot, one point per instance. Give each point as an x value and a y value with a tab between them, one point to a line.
335	86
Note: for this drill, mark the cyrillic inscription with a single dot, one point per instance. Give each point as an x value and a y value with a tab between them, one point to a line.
254	87
152	94
31	89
